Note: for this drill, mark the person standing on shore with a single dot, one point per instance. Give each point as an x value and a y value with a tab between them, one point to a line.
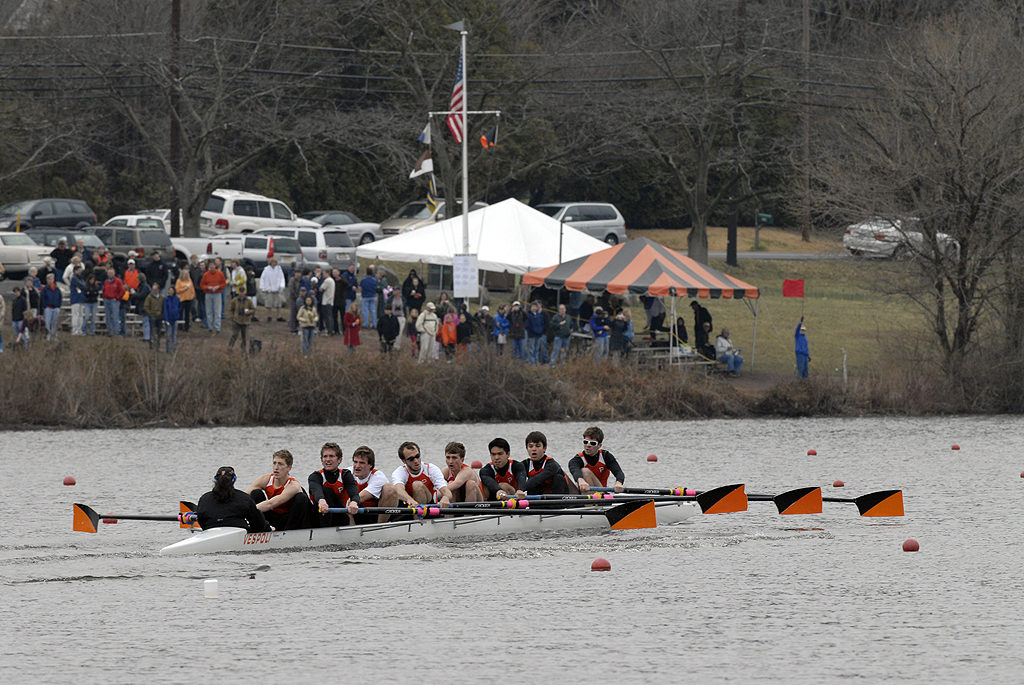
427	326
803	352
368	288
171	314
241	310
352	323
307	320
212	285
185	290
272	289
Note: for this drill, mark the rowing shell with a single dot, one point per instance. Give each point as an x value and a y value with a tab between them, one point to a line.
238	540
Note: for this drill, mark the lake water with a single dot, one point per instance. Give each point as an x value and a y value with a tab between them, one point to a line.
749	597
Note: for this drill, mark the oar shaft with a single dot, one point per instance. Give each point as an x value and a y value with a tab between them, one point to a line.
649	491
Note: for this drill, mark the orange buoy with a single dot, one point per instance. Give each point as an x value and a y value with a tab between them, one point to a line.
477	464
69	480
109	520
956	447
601	565
838	484
910	545
652	457
812	453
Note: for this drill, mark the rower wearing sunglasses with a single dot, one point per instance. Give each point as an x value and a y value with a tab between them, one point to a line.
544	475
593	466
418	482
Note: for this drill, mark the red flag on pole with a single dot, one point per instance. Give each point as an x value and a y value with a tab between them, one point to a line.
793	287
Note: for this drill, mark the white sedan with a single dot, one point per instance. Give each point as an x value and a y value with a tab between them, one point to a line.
895	238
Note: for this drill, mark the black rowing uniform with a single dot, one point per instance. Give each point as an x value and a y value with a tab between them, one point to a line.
544	477
513	474
337	488
239	512
601	465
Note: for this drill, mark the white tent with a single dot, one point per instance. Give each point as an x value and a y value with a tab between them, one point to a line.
507	237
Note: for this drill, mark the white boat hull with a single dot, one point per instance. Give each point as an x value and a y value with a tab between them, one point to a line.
238	540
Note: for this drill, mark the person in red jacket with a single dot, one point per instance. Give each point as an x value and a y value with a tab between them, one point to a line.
352	322
212	285
112	292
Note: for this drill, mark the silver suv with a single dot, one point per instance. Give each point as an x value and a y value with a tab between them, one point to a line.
329	247
600	220
236	211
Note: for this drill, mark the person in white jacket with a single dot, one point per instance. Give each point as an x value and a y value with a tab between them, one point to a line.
427	325
272	285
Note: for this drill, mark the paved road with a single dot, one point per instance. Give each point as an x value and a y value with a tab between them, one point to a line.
790	256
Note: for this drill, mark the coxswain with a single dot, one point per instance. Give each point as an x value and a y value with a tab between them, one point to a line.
544	475
502	476
375	490
462	479
418	482
333	488
592	467
225	506
280	497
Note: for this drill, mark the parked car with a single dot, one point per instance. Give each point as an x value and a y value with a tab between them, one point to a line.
255	250
19	252
897	238
417	215
327	247
361	232
51	236
240	212
135	242
140	220
59	212
600	220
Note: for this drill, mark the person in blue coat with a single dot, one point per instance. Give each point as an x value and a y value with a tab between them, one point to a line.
803	353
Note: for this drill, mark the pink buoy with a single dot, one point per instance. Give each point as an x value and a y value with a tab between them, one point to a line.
812	453
69	480
652	457
838	484
956	447
910	545
477	464
601	565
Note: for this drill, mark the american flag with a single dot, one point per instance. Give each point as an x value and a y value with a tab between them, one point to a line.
455	120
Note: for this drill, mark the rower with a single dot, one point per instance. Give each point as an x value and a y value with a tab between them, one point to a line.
333	488
280	497
462	479
592	467
417	482
502	477
544	475
375	490
224	506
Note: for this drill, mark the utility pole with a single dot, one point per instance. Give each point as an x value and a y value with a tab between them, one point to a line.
737	123
805	219
175	142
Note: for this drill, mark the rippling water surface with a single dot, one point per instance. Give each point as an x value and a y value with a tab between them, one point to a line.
750	597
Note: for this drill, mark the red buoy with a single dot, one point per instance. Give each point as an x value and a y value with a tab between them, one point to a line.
109	520
910	545
477	464
812	453
652	457
601	565
956	447
838	484
69	480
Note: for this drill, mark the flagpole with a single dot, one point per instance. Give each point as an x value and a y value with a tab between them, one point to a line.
465	146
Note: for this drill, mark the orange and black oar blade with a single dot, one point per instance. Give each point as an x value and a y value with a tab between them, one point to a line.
724	500
86	519
799	501
883	503
638	514
186	508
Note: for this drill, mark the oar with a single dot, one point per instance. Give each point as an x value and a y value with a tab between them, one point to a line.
808	501
187	508
624	516
881	503
649	491
730	498
724	500
86	519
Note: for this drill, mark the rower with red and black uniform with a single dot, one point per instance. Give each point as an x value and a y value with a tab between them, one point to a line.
417	482
502	476
593	466
544	475
375	490
333	487
462	479
280	497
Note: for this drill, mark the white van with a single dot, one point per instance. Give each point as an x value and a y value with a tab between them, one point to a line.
328	247
599	220
236	211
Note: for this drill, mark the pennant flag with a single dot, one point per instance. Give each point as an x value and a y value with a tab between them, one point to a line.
424	137
459	26
424	166
793	287
489	139
431	195
456	104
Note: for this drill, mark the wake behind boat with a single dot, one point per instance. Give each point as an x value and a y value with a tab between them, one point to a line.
238	540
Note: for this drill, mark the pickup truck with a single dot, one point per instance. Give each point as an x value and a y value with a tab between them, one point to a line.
254	250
